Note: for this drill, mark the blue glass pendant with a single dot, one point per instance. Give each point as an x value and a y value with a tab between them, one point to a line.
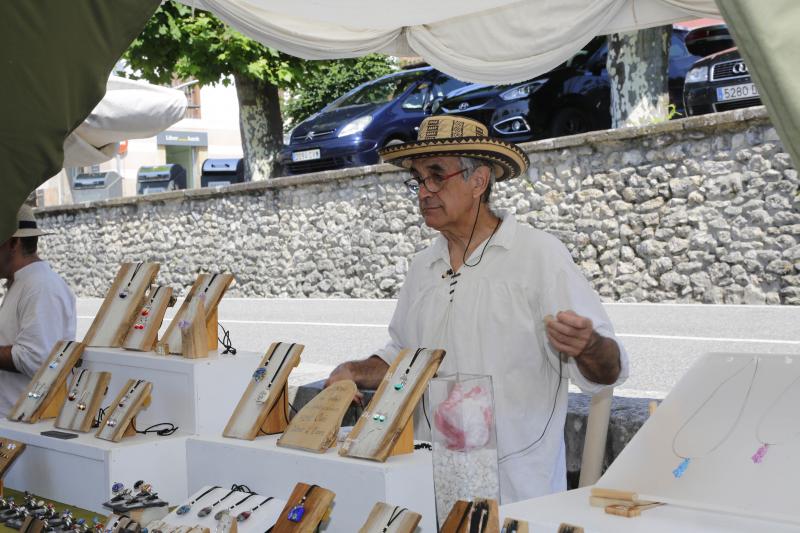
296	514
53	364
183	509
678	472
116	487
259	374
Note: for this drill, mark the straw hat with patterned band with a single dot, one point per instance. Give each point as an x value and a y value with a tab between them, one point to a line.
26	224
454	136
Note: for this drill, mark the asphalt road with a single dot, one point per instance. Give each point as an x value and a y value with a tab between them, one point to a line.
662	339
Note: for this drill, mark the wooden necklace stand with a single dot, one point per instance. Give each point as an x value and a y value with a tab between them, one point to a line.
9	451
458	521
85	395
317	424
512	525
46	392
118	313
143	333
124	410
317	507
383	513
208	290
265	403
385	428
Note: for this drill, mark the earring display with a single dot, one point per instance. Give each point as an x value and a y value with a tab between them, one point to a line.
378	431
317	424
209	289
264	404
122	304
307	507
9	451
46	391
477	516
119	419
143	334
385	518
84	396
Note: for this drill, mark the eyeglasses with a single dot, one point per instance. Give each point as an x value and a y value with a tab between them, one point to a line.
432	183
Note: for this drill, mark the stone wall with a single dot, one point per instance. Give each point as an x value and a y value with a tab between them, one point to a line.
696	210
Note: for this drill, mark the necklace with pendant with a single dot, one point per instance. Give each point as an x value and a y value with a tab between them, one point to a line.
758	457
205	511
186	507
401	384
124	292
394	516
260	372
685	458
297	512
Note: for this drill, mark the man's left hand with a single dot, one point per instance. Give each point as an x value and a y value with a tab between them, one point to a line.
571	334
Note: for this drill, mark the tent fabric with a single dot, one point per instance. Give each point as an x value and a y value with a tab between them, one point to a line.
768	39
129	110
56	60
496	41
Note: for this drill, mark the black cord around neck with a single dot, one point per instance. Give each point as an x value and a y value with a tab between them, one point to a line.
472	233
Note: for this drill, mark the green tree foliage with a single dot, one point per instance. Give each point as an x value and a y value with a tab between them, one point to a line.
334	78
185	43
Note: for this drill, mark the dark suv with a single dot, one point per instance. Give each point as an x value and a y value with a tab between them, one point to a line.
572	98
349	131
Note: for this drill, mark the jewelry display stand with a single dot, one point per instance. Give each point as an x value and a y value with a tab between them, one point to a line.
143	333
385	427
483	513
260	516
512	525
121	305
84	397
9	451
315	504
385	517
45	393
264	404
704	447
119	421
209	288
317	424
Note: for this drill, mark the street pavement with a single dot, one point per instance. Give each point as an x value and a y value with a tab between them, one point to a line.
662	340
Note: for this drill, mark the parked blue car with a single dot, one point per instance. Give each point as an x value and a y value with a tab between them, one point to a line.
349	131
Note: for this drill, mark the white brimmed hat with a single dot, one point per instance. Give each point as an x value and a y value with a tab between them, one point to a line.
26	224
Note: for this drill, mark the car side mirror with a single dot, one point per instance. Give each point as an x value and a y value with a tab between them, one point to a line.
435	105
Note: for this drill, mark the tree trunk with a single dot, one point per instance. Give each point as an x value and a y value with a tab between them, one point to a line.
261	127
637	65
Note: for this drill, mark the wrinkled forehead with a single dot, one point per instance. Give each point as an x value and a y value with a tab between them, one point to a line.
426	165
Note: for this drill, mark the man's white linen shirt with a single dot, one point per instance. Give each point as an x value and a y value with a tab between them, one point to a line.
490	320
38	310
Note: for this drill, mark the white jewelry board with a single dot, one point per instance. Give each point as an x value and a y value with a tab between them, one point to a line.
727	479
259	521
85	393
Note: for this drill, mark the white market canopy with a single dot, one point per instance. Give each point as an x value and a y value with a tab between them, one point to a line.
487	41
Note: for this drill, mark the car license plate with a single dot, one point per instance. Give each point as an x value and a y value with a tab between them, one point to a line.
737	92
305	155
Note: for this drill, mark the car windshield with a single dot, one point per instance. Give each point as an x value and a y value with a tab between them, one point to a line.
379	92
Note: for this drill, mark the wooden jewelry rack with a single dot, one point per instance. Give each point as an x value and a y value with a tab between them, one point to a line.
458	521
124	416
45	393
9	451
143	333
316	426
269	414
84	397
385	428
208	289
512	525
382	513
117	313
317	510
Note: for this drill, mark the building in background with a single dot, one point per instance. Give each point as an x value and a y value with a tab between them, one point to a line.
210	130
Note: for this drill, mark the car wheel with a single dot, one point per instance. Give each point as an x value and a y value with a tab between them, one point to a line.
570	121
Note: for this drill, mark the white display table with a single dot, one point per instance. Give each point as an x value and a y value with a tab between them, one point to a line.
80	471
546	513
266	468
197	395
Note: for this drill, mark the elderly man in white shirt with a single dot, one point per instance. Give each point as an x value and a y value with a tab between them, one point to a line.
38	310
502	298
